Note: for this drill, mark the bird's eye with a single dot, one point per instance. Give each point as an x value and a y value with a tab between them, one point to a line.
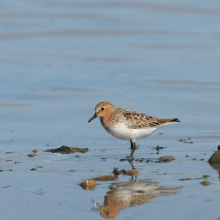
102	109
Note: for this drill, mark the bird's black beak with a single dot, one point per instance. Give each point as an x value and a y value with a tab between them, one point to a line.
93	117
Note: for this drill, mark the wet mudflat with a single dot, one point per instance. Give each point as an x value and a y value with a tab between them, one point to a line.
59	59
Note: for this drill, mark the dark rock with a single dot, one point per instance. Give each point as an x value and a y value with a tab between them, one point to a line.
215	158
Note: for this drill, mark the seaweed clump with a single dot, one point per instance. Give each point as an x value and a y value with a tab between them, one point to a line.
67	150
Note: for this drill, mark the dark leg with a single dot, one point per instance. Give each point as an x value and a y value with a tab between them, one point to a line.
133	148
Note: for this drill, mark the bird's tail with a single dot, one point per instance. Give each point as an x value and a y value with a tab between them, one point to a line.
168	121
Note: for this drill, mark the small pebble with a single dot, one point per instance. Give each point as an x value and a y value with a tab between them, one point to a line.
31	155
88	184
205	183
167	158
205	176
34	151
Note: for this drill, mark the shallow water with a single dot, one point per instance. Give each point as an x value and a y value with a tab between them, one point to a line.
59	59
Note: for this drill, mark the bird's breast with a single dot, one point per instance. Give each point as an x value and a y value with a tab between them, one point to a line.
122	131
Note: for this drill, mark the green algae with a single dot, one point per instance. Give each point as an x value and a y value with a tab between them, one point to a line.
67	150
158	148
205	176
187	141
146	160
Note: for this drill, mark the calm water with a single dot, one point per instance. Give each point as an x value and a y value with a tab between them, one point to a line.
60	58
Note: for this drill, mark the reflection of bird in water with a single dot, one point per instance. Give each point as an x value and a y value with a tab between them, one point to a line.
216	166
126	124
96	205
123	195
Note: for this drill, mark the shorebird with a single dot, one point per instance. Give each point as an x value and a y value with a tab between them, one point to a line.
127	124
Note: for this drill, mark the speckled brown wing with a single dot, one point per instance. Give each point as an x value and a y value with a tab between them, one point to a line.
137	120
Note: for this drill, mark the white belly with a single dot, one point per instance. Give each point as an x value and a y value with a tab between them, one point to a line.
121	131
